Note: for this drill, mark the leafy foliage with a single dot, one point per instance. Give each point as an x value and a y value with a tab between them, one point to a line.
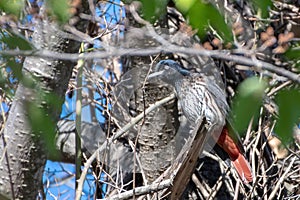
247	102
153	9
289	113
42	126
15	41
12	6
60	9
12	65
201	15
262	7
293	54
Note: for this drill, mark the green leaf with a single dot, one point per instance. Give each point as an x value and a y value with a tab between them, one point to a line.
41	109
60	9
3	82
247	103
53	101
12	6
184	5
7	86
288	102
14	41
263	7
153	9
42	126
293	53
15	66
201	15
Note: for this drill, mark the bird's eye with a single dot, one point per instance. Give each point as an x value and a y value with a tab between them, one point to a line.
166	67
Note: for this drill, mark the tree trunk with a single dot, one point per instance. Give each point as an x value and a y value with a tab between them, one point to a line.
24	153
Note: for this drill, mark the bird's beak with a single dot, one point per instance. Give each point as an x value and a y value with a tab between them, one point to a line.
155	74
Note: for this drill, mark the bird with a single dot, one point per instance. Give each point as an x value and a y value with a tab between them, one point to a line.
200	96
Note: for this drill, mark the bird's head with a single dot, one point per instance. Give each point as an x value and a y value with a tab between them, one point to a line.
170	66
168	71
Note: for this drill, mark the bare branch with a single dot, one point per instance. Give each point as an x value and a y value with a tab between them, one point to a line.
223	55
282	178
141	190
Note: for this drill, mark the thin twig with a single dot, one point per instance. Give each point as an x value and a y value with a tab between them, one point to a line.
114	137
78	109
141	190
199	186
5	153
281	179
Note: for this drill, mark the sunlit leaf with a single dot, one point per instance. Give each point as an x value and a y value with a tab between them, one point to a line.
288	102
184	5
12	6
60	9
201	15
247	103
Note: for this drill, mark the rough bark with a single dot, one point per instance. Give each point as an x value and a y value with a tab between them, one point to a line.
24	153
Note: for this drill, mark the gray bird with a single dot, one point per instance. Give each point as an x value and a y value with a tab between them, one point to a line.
200	96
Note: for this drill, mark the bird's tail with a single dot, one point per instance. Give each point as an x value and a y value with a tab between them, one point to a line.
243	169
236	156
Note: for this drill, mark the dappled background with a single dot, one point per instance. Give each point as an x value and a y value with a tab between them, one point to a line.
251	49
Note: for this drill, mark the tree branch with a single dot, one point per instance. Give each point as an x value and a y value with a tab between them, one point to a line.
141	190
217	54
